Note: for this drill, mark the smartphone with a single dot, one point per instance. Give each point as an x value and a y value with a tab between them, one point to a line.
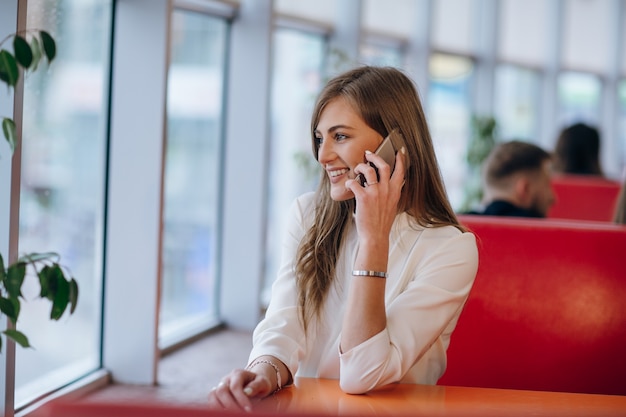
386	150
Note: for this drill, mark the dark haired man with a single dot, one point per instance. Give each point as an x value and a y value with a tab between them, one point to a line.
516	181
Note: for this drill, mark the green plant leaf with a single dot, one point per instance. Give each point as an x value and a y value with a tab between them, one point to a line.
3	272
10	132
56	287
48	282
9	73
15	279
16	307
11	308
23	53
49	46
19	337
35	47
38	257
73	295
61	298
8	309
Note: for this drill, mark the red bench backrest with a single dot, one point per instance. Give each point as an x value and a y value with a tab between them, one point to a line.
584	198
548	308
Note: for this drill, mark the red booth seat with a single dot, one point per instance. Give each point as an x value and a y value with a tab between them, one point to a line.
548	308
584	198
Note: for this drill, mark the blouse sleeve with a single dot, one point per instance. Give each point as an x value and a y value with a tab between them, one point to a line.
280	333
441	277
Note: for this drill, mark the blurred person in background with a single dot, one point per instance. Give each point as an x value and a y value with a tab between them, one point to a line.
516	181
577	151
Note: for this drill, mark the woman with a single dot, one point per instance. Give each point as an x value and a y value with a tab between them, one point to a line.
373	278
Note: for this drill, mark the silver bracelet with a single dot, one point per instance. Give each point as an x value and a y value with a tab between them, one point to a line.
273	365
361	273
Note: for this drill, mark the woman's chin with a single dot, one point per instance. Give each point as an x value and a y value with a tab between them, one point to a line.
340	193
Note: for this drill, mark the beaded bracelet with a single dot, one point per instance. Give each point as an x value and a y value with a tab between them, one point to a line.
273	365
377	274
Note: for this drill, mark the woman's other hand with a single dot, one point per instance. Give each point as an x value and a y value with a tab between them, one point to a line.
236	390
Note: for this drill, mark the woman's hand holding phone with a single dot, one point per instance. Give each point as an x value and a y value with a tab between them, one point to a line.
377	200
387	151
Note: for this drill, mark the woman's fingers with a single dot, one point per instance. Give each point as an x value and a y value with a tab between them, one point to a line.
377	168
257	388
221	397
380	170
399	173
240	389
229	393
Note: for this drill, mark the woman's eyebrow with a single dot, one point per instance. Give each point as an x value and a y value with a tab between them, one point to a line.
334	128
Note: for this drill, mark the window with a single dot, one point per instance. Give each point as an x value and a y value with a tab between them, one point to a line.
517	103
449	116
622	45
320	10
587	24
387	28
579	98
454	25
392	17
192	175
296	81
381	55
519	44
62	190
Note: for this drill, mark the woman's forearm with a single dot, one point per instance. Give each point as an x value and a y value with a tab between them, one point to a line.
365	314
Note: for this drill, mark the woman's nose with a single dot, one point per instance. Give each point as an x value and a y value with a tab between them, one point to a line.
325	152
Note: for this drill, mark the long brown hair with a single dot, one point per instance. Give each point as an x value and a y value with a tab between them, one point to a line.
385	99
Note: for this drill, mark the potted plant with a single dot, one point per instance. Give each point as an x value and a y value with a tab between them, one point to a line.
29	49
482	141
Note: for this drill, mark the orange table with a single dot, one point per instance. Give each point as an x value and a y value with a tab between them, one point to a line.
322	397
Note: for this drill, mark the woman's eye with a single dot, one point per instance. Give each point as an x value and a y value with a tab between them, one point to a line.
340	136
318	140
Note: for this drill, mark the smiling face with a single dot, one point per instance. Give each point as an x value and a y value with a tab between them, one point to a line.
342	138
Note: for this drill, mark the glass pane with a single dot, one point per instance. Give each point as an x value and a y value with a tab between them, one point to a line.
192	175
296	81
62	190
449	118
519	44
623	44
587	24
452	25
579	98
517	103
318	10
380	55
395	17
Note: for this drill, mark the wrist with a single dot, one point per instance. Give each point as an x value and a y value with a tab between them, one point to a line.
272	370
372	253
373	263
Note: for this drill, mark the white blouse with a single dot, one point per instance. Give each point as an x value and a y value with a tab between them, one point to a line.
430	273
